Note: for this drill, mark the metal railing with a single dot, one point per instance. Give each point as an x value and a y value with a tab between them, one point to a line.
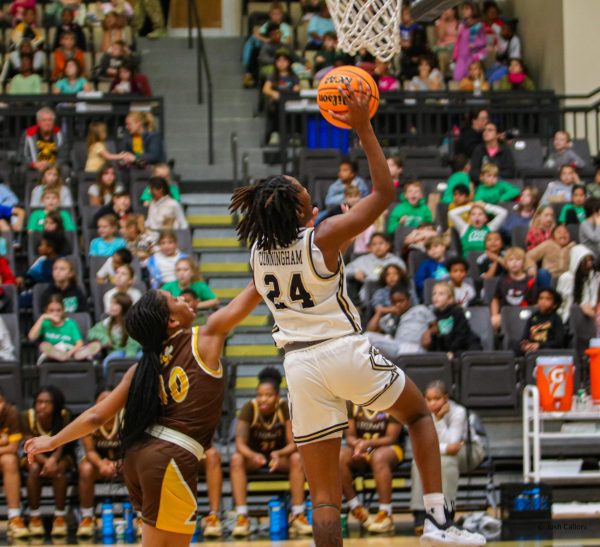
202	67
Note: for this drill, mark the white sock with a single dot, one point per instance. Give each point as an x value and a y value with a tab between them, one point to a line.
13	513
242	510
298	509
58	513
434	505
87	512
35	513
354	503
387	507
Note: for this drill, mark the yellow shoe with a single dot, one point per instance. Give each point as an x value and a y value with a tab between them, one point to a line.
36	527
382	523
362	516
59	527
86	527
300	525
242	527
17	528
212	526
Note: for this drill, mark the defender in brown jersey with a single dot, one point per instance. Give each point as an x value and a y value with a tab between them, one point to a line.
172	401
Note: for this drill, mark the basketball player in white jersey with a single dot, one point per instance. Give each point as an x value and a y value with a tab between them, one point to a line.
299	272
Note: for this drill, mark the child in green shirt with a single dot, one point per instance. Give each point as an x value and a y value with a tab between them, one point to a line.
188	277
574	212
412	210
164	171
491	190
460	175
51	202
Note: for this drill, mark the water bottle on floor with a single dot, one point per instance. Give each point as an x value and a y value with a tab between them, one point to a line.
108	520
277	519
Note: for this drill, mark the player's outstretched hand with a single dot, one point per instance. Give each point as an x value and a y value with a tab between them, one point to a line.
38	445
357	102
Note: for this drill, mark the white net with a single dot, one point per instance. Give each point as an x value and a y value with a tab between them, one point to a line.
370	24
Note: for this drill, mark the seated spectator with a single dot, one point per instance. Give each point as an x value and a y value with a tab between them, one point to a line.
51	179
40	271
108	241
417	238
71	81
491	262
391	276
492	151
472	136
27	29
351	197
11	438
385	81
27	82
413	41
44	142
472	233
373	443
475	81
319	25
281	79
129	81
259	37
492	23
65	284
161	265
593	188
47	417
574	212
522	212
460	176
68	50
347	176
51	203
450	331
12	63
164	213
427	78
138	240
11	218
461	450
396	166
119	207
544	328
446	32
327	56
188	276
579	285
7	277
491	190
509	44
68	24
141	145
112	59
263	440
17	10
541	227
101	461
412	210
463	291
101	193
560	191
60	337
461	197
124	281
164	171
471	42
515	288
553	254
517	78
113	25
562	152
53	223
433	266
589	229
400	331
106	274
268	52
54	9
111	332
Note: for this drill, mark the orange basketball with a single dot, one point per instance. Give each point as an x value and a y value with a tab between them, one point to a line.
329	97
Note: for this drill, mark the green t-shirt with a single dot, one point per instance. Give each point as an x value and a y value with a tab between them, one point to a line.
67	334
454	180
501	191
415	215
474	239
202	290
173	190
37	217
579	212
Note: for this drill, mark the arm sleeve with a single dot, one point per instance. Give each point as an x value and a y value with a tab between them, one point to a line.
461	333
509	191
180	218
334	196
423	273
556	339
74	331
500	214
99	332
394	220
456	218
536	254
7	348
154	151
452	429
507	163
67	221
203	291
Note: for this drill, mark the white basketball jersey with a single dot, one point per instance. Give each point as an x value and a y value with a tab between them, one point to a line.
307	301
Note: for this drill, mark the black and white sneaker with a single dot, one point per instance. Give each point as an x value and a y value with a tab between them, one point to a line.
448	534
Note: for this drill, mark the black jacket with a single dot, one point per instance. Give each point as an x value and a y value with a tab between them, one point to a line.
546	330
468	141
503	159
455	333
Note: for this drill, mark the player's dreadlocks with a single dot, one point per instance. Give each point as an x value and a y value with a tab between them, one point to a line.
269	210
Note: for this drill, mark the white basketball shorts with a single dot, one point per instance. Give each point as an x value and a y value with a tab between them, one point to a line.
322	377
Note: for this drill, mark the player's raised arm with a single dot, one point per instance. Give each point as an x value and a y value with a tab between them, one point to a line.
332	234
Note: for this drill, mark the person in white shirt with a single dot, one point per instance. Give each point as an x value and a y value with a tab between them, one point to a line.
7	348
124	280
106	273
161	265
458	454
164	212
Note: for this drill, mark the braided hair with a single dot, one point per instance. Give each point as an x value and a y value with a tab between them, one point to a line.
269	210
146	322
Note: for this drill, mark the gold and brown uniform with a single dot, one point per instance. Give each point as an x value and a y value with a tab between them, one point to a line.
10	428
31	427
266	433
373	425
162	474
107	443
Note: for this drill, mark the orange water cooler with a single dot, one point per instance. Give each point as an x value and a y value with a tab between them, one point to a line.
593	352
554	378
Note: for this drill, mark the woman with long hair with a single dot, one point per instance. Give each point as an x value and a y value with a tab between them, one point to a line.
172	400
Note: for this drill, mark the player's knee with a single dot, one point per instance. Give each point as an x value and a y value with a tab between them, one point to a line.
8	462
379	460
86	470
296	461
34	469
213	458
237	461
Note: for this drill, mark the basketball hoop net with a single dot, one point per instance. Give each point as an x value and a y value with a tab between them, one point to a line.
370	24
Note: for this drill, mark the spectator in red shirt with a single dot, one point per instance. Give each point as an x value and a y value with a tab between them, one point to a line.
542	224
